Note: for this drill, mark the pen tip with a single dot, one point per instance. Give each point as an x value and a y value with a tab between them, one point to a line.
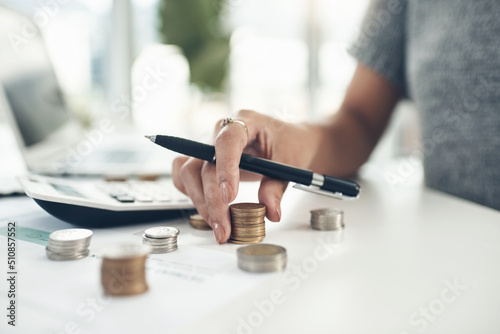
152	138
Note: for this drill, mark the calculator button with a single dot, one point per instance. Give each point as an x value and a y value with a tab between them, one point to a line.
163	199
125	199
144	199
117	194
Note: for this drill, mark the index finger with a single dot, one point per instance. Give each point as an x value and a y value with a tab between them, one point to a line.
229	145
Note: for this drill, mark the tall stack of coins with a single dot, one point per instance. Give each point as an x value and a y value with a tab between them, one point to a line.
162	239
198	222
262	258
123	269
327	219
69	244
247	223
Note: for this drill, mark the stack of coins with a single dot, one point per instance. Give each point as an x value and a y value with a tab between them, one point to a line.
247	223
262	258
70	244
327	219
162	239
198	222
123	269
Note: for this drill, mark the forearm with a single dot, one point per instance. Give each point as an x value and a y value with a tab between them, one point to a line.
343	142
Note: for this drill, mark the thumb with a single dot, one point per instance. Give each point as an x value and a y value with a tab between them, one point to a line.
270	194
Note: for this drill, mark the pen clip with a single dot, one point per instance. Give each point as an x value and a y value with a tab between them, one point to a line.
316	190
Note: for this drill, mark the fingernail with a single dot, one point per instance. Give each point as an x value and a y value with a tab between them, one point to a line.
218	232
277	203
225	192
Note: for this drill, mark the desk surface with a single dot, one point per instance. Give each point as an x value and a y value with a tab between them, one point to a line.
410	260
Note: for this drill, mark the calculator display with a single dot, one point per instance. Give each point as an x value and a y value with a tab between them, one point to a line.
66	190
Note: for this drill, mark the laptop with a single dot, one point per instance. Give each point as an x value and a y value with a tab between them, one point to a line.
51	139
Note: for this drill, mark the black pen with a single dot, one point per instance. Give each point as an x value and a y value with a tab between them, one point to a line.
305	179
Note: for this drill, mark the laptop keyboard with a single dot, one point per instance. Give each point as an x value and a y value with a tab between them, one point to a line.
114	156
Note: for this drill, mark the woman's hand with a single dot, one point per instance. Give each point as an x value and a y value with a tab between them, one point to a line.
212	187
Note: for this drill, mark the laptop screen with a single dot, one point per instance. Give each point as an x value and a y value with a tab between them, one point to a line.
29	82
37	105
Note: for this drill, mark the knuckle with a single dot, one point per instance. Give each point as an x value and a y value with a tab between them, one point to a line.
245	113
192	168
225	138
217	126
177	180
179	185
207	169
188	169
183	171
177	164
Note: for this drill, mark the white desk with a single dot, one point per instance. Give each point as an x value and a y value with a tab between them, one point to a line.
410	260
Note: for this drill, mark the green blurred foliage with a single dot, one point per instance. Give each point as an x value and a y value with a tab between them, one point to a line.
196	27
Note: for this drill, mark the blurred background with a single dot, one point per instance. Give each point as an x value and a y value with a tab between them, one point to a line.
172	66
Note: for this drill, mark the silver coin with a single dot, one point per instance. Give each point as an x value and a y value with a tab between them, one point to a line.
158	240
328	228
68	250
159	232
157	244
66	256
72	234
262	258
163	249
68	244
262	267
327	212
327	219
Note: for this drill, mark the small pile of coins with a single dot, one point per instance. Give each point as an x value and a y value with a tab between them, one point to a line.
123	270
162	239
247	223
327	219
198	222
69	244
262	258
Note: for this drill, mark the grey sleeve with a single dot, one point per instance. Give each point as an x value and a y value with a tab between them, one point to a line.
381	41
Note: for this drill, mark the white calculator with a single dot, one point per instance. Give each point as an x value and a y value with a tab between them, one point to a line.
103	203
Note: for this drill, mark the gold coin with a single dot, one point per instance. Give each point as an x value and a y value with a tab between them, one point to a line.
248	213
201	227
237	242
247	207
261	237
247	223
197	221
248	238
249	229
128	260
235	231
135	277
196	217
148	177
248	232
248	217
